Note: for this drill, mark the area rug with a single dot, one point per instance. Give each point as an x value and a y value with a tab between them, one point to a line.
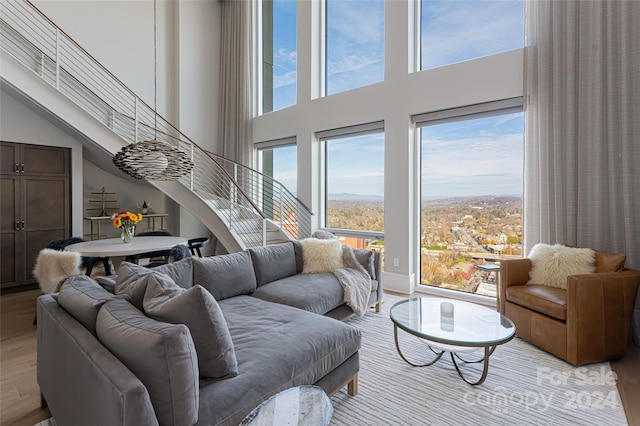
524	386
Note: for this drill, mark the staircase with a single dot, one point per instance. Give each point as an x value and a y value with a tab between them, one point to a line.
240	206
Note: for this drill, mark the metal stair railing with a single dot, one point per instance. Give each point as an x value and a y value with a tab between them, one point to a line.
274	199
36	42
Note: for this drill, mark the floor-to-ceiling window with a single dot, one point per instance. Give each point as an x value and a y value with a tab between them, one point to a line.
388	62
471	158
279	54
354	184
354	44
471	195
277	160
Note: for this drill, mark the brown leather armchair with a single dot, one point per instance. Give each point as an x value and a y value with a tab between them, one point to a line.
588	322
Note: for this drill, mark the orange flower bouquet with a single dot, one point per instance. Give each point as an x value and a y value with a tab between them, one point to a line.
127	222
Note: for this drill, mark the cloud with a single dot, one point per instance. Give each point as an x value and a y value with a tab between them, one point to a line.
285	58
475	166
356	22
285	79
454	31
355	44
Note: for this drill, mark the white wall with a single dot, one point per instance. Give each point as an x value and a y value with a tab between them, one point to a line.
127	194
394	100
198	68
120	35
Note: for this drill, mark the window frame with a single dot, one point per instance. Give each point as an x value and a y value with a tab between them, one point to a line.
262	40
324	136
450	115
259	147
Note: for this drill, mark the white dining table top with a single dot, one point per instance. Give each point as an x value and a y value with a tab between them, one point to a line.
115	247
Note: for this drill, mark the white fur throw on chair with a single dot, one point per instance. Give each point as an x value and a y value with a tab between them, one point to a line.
53	267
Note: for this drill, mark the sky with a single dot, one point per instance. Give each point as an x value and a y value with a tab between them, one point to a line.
458	158
473	157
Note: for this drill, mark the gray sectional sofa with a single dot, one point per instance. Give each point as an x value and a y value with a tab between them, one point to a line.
198	341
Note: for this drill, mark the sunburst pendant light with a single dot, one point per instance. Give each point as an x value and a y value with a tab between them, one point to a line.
153	159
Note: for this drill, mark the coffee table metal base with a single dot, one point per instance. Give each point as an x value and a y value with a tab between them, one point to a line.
488	350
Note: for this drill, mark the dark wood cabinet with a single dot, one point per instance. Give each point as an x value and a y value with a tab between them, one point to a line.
35	206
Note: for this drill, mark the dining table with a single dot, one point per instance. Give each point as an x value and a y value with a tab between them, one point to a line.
116	248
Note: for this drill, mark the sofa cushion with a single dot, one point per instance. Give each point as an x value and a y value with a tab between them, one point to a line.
82	297
546	300
552	264
317	293
273	262
321	256
129	274
366	258
313	346
160	354
225	276
196	308
180	271
609	262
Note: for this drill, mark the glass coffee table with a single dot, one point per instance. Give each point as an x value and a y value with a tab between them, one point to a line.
452	326
301	406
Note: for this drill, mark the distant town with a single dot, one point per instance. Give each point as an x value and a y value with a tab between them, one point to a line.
457	235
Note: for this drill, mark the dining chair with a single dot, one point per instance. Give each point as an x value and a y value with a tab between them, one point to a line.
154	234
160	257
196	243
86	262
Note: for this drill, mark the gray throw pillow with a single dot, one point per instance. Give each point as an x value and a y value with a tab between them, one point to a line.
128	280
82	297
196	308
297	248
366	259
160	354
180	271
273	262
225	276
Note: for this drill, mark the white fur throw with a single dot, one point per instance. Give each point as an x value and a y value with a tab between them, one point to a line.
320	256
552	264
53	267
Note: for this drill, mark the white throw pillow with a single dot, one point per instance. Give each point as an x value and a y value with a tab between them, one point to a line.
552	264
320	256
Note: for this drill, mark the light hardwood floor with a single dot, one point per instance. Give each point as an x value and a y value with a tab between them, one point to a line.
20	395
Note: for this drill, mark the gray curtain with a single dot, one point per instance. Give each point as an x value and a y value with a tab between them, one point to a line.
582	125
236	81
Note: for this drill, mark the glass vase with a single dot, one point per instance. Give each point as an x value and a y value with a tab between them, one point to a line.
127	234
